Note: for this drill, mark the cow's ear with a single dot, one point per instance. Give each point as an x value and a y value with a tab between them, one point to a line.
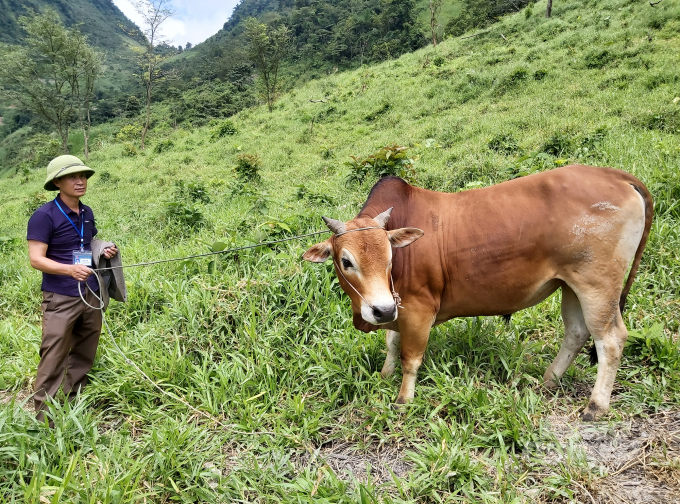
319	253
404	236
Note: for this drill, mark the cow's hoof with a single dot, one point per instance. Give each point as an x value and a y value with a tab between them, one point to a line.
591	413
550	384
403	400
587	416
387	372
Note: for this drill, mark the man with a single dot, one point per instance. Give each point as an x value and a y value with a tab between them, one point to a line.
59	237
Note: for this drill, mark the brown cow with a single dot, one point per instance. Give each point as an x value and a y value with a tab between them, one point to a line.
494	251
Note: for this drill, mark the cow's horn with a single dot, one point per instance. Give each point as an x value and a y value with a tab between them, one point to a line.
382	218
334	225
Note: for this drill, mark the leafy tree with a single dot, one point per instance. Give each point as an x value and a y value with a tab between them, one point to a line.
153	13
132	106
266	48
86	67
52	74
435	9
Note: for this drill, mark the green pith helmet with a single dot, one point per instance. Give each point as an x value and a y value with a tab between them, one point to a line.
64	165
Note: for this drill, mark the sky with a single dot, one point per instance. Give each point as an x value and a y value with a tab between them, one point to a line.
194	21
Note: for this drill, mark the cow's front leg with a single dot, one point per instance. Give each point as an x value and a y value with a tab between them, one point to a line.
392	339
415	333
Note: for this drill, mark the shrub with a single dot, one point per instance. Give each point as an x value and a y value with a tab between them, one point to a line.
666	191
105	177
594	139
379	112
186	214
223	129
597	58
435	182
163	146
653	348
659	79
327	153
390	160
530	164
511	80
248	167
504	143
438	61
315	198
192	191
590	144
6	245
666	120
35	201
129	132
129	149
620	81
540	74
132	106
558	144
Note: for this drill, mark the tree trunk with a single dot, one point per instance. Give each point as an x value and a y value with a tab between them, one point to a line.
433	25
86	135
63	133
148	112
548	11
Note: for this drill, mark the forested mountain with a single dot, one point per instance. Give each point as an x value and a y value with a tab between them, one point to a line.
325	34
329	36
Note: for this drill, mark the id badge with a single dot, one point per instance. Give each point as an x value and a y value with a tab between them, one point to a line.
82	257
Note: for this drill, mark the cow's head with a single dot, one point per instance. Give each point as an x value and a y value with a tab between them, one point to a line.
361	250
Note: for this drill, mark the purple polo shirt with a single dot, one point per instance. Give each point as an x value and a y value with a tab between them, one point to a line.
49	225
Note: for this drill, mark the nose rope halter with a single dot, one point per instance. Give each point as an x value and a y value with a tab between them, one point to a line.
395	294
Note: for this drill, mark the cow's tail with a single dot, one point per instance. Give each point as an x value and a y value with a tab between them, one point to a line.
649	216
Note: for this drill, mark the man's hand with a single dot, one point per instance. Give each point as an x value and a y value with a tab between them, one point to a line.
79	272
109	252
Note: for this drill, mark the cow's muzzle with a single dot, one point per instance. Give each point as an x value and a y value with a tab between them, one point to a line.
379	313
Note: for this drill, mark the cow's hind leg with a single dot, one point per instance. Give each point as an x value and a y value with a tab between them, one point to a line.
392	339
604	321
575	336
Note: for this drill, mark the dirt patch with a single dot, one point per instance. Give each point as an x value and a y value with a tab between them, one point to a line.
349	461
639	459
20	397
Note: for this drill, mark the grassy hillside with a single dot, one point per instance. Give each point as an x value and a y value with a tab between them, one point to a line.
264	342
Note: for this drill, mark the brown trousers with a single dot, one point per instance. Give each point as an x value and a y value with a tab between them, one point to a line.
70	335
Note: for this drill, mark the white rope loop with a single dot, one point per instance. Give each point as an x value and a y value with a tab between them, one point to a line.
395	294
158	387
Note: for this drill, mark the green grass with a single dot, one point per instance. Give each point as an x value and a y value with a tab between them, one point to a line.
264	342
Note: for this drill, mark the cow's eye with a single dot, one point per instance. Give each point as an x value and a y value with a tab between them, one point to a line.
346	264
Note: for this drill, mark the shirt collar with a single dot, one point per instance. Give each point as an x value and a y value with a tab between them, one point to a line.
68	208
